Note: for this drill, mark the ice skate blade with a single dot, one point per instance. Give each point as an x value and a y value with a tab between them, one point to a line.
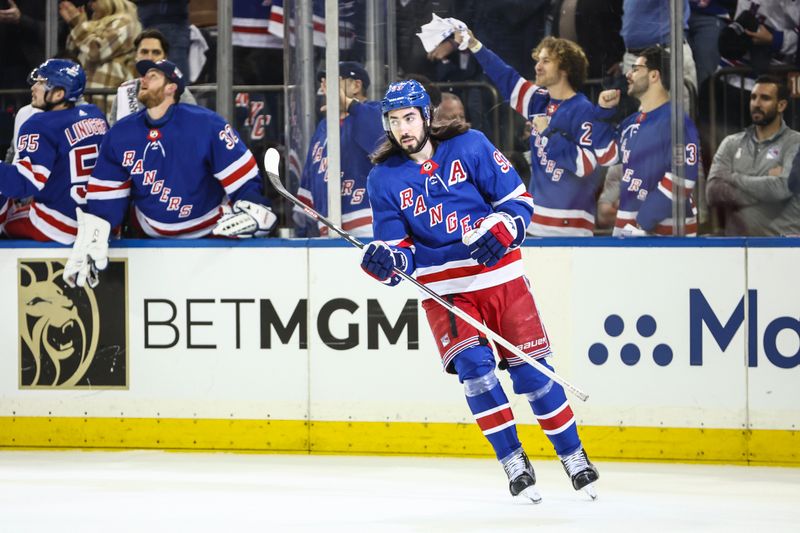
532	494
590	490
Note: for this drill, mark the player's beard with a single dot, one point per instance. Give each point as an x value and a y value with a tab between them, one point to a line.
412	148
637	88
765	117
151	97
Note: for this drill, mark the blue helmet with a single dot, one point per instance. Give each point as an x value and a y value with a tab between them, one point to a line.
62	73
406	93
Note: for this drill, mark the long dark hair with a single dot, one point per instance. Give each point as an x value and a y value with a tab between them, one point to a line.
440	131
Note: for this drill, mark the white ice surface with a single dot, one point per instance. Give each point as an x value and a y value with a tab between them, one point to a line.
151	492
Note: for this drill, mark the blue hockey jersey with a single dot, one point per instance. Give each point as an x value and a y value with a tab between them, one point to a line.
57	151
361	132
251	25
643	144
178	171
347	22
564	176
428	207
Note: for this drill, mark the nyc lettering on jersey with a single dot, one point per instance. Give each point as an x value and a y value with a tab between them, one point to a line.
157	188
85	128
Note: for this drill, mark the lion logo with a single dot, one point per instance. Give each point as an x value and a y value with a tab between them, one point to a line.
59	327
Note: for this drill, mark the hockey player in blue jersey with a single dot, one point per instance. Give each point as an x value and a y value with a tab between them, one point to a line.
360	134
181	166
642	143
564	174
447	205
56	151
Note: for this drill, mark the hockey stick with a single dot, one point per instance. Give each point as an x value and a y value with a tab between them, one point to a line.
272	163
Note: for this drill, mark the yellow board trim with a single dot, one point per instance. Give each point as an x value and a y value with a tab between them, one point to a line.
728	446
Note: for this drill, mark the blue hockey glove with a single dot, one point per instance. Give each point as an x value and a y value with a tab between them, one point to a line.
379	259
489	242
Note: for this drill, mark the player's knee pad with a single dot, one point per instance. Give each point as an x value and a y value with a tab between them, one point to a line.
529	381
475	368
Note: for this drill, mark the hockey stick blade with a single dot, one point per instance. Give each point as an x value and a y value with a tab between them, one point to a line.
272	160
272	166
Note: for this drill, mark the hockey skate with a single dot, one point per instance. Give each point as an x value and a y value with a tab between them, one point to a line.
521	479
581	472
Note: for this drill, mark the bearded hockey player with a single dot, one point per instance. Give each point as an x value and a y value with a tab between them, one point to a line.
447	205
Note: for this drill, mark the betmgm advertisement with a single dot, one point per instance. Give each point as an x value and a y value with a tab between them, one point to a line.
71	338
293	338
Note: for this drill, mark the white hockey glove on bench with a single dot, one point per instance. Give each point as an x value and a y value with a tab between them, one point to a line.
246	219
90	251
489	242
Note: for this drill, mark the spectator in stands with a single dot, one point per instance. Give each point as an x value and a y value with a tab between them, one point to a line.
643	144
706	21
150	44
22	26
749	178
764	33
103	43
171	18
646	23
257	60
361	131
451	108
564	176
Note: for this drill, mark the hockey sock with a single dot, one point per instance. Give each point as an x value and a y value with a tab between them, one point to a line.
555	416
550	405
489	404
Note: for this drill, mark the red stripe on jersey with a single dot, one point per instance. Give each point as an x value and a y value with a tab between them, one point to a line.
191	229
562	222
610	154
667	230
558	419
453	273
667	184
250	29
36	175
357	223
526	85
54	221
101	188
244	169
495	419
588	167
406	243
622	222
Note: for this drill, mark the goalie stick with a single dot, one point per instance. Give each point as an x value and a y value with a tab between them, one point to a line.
272	160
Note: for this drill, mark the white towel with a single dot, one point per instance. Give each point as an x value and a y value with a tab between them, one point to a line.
439	29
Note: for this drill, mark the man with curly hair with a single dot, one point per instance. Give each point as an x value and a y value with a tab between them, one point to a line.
564	176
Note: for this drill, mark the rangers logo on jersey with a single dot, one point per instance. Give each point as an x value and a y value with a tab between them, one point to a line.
428	167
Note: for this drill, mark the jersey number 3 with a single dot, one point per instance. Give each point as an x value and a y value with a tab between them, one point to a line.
81	162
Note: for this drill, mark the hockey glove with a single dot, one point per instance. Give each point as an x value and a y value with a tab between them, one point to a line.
633	231
379	259
89	253
489	242
246	219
